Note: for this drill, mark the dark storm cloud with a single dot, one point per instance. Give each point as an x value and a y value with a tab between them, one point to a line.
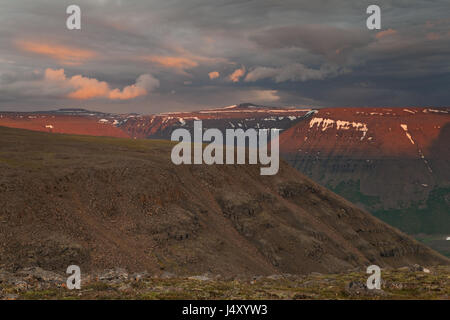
288	52
324	40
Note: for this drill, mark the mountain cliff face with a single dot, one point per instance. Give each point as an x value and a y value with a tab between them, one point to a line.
106	202
395	162
241	116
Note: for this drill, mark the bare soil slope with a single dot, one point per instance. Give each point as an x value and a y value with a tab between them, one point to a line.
109	202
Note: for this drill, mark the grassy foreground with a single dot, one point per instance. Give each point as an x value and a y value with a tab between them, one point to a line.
396	284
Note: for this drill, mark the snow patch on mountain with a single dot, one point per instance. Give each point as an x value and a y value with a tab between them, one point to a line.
435	111
340	125
405	128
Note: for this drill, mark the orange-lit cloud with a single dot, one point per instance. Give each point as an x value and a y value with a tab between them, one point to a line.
181	60
214	75
178	63
433	36
55	75
143	84
84	88
264	95
385	33
87	88
64	54
237	74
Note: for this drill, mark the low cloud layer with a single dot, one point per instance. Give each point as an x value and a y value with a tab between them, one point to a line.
84	88
295	72
55	83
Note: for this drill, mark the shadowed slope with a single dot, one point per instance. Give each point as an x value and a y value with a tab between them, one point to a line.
108	202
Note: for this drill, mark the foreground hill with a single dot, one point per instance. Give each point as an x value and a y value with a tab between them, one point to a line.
108	202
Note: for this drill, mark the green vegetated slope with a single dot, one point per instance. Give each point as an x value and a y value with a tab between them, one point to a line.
430	217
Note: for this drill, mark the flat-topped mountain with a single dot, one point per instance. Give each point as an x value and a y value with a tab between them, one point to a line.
395	162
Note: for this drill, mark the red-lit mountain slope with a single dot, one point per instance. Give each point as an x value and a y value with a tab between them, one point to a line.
395	162
62	123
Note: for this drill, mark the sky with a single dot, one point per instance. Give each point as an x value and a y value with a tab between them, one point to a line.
178	55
